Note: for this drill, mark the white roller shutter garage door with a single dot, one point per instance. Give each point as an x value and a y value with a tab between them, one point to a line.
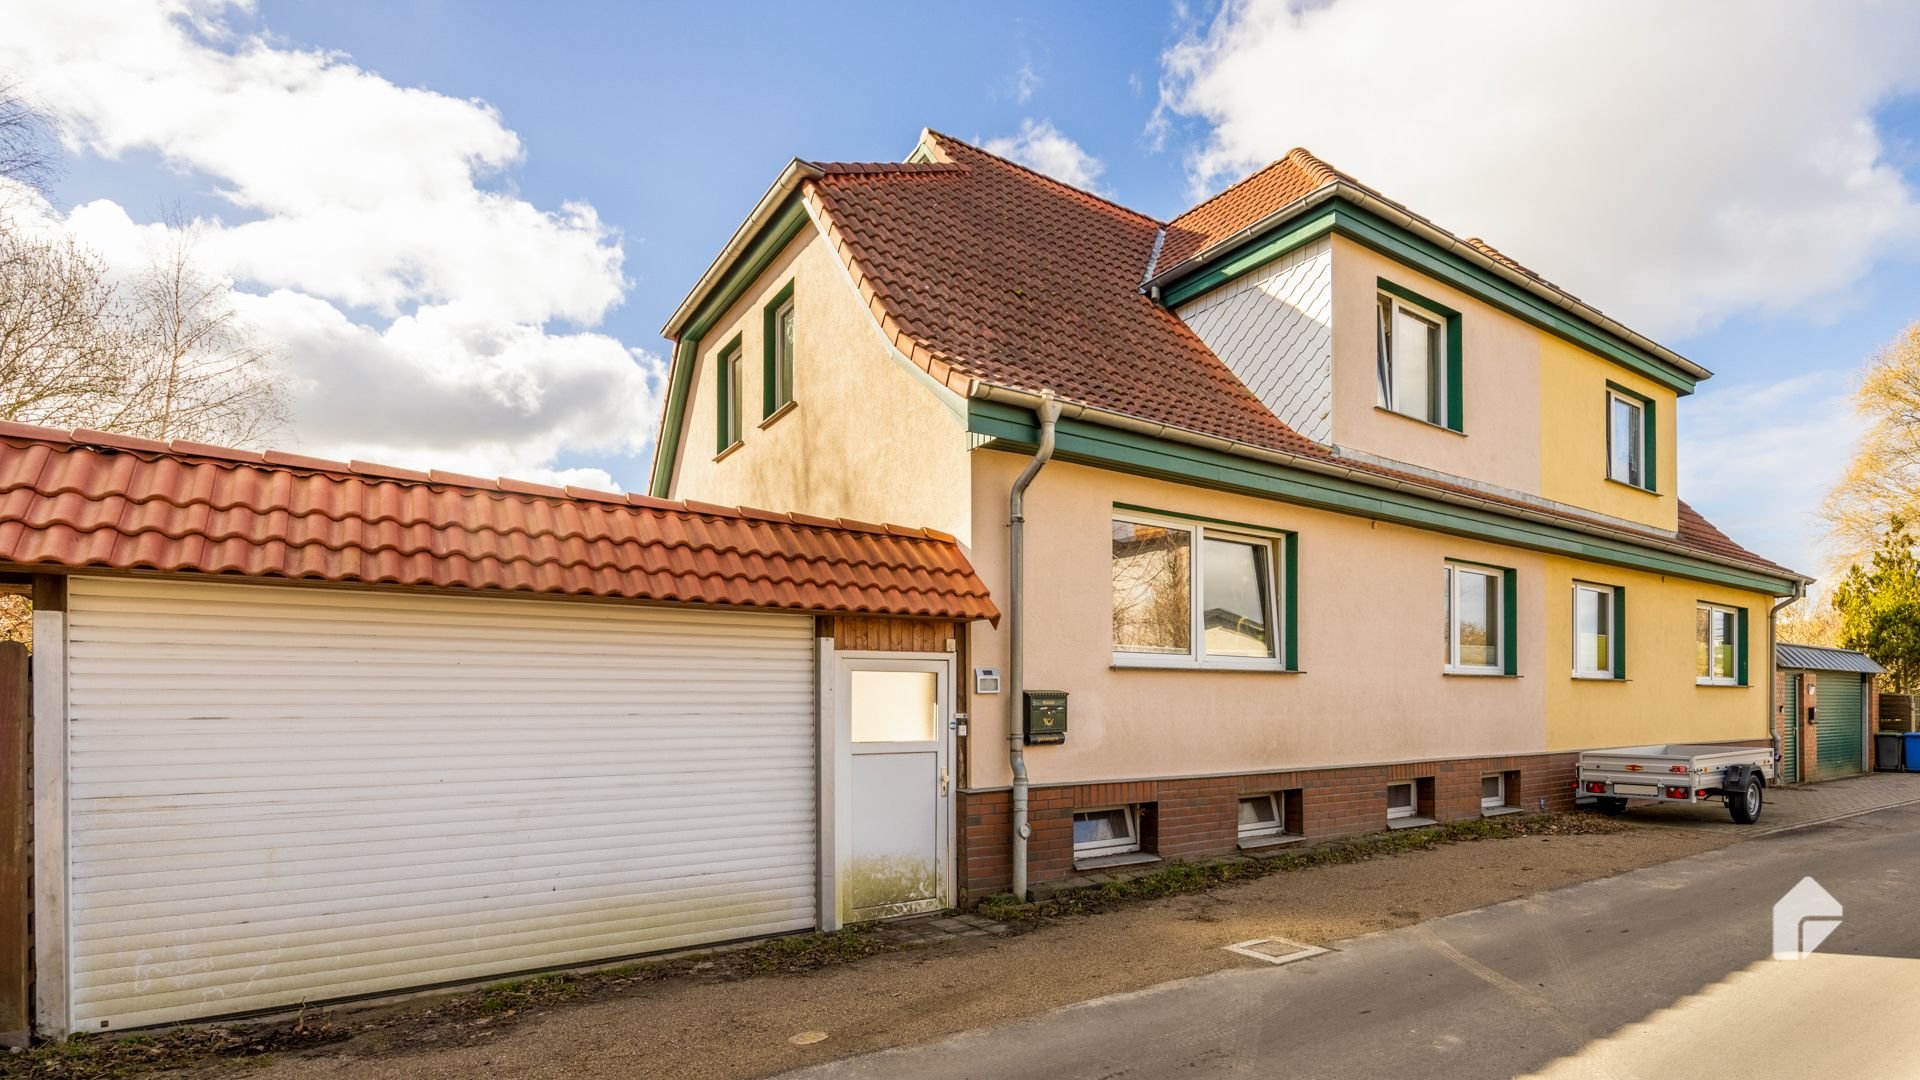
285	794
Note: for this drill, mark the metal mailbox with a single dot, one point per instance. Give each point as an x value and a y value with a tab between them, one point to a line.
1046	719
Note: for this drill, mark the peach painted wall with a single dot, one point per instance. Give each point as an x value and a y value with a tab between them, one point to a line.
866	439
1502	440
1371	644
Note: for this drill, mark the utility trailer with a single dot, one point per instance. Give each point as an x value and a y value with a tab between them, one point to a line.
1678	774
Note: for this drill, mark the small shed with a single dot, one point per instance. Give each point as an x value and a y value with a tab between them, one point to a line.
1827	701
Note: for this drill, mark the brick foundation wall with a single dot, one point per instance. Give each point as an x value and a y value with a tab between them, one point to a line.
1198	818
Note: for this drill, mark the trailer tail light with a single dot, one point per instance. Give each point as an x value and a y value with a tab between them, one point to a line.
1701	794
1596	787
1681	769
1676	793
1635	768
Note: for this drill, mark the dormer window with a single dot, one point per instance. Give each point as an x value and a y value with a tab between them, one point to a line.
1629	439
1418	365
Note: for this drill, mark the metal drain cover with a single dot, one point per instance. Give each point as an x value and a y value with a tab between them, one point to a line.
1274	950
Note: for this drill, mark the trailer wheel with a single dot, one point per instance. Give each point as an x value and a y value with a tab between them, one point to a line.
1745	804
1613	807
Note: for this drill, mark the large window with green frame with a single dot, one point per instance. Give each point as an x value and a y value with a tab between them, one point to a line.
728	430
1599	631
777	335
1418	362
1481	605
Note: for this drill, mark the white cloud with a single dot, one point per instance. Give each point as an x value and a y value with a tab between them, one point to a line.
1044	148
427	315
1025	82
1758	460
1672	163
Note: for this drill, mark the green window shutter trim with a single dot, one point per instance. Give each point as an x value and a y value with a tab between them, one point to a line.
1509	636
769	381
723	398
1456	365
1619	632
1741	649
1290	556
1649	432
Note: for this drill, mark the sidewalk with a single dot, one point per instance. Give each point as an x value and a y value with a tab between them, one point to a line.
1790	808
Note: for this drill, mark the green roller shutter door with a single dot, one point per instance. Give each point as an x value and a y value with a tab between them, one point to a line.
1838	717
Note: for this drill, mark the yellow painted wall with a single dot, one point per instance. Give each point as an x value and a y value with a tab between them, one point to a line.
1658	702
867	440
1573	458
1371	644
1535	404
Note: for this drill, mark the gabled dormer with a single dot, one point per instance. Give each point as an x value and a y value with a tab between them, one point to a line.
1373	331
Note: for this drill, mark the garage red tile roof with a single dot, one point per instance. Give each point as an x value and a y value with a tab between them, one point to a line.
82	500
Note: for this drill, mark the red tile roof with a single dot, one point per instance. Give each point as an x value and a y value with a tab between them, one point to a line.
1292	177
87	499
978	268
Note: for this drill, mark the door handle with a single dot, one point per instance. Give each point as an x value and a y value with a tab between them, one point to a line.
943	781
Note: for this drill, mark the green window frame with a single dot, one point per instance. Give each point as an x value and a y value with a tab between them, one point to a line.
1610	604
1452	396
1713	623
727	391
1649	438
777	352
1507	638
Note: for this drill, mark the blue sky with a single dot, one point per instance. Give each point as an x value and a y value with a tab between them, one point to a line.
1699	201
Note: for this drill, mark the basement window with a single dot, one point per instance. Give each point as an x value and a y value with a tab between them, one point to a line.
1493	791
1113	831
1261	816
1400	801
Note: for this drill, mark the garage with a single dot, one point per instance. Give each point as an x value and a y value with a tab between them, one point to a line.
1830	694
331	734
285	794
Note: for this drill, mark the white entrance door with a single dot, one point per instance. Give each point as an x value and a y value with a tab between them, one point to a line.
896	720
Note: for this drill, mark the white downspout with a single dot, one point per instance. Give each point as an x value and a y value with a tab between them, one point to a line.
1048	413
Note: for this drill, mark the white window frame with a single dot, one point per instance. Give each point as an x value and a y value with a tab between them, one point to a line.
1097	848
1264	829
783	355
1637	454
1196	655
1494	802
1732	677
1387	308
1395	813
1606	593
1499	579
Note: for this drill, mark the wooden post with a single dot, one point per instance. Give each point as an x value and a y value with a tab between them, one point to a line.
16	850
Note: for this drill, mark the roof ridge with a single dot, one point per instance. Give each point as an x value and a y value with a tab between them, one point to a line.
1037	174
861	168
225	456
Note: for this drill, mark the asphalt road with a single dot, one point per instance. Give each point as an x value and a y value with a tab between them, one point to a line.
1661	972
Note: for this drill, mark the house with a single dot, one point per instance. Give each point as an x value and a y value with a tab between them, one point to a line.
1829	710
305	730
1340	521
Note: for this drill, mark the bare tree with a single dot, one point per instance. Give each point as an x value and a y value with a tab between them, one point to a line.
64	335
26	153
198	372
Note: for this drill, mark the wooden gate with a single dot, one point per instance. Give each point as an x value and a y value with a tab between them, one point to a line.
16	852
